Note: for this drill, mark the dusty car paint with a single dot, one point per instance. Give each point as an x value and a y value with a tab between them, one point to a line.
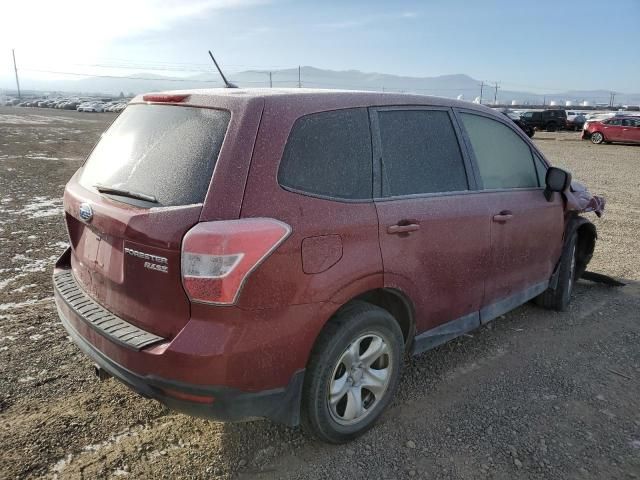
464	266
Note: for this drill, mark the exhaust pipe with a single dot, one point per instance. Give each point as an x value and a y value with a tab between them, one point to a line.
101	373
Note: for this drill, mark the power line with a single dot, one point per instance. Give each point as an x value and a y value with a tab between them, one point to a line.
290	82
168	79
119	77
111	61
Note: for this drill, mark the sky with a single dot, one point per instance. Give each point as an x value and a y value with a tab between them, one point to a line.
541	46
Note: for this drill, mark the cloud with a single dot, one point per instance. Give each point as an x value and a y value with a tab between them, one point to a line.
87	24
371	19
49	34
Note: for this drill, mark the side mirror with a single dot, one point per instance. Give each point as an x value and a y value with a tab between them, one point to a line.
557	180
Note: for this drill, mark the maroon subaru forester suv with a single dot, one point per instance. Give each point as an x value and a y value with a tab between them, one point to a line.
238	254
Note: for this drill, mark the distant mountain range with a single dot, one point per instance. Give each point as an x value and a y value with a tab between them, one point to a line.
451	86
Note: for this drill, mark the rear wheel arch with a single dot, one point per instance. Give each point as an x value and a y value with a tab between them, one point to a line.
398	305
392	300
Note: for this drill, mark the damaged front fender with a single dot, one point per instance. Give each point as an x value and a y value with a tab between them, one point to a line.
580	200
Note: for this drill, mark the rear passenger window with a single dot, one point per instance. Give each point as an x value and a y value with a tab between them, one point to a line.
420	153
503	158
329	154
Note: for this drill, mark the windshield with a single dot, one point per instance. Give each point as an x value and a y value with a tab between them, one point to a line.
162	151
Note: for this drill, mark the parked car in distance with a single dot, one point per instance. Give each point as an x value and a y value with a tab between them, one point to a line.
90	107
623	129
275	253
575	120
548	120
515	118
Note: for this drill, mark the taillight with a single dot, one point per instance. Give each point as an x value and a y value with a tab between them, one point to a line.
165	97
217	257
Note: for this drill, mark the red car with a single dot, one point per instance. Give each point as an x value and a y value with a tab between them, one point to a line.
624	129
244	253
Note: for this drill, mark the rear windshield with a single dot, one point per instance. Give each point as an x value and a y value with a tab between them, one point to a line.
164	151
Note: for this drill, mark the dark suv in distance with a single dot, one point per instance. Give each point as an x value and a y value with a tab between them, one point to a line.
548	120
275	253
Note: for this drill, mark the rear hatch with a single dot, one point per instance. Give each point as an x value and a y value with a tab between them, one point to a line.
128	208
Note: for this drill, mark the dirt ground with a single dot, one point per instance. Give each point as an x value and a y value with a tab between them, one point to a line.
536	394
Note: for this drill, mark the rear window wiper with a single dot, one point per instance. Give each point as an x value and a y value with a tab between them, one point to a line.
125	193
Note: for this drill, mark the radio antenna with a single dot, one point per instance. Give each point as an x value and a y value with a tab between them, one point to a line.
227	83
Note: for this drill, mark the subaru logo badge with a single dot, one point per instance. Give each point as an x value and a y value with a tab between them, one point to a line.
86	212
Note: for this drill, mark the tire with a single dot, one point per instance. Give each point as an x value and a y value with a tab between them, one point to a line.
359	329
551	127
597	138
559	298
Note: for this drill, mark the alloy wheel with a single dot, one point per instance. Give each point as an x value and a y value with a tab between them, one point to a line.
360	379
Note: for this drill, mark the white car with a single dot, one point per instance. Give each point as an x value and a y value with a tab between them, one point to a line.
90	107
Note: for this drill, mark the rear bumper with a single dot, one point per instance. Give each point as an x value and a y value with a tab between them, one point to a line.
226	364
216	402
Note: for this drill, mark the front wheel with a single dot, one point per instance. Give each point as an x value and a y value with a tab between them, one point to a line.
559	298
353	372
597	138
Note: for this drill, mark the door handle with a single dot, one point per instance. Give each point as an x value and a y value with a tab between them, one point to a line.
503	216
411	227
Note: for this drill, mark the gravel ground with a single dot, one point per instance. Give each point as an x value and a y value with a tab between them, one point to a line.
536	394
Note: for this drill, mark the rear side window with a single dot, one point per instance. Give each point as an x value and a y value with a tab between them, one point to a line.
329	154
420	153
503	158
165	151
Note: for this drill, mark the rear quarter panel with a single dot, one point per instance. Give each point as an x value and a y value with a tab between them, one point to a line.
347	232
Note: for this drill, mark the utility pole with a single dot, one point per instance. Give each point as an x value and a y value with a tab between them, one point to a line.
481	89
270	81
15	69
299	78
495	93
